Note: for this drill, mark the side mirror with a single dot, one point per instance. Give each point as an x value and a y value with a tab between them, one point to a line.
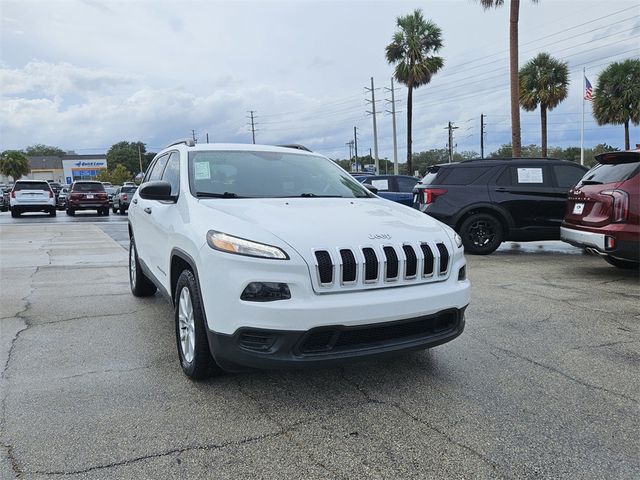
157	190
371	188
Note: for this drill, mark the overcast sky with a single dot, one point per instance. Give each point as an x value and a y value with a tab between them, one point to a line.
85	74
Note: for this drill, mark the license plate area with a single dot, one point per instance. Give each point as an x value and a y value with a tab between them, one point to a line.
89	196
578	208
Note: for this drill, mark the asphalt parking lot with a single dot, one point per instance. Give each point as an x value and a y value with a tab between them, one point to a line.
543	383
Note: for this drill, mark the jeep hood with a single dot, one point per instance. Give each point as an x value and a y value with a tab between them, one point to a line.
309	223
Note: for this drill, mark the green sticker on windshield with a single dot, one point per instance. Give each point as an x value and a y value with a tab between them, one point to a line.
202	171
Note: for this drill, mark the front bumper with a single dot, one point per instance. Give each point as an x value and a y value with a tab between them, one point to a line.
336	344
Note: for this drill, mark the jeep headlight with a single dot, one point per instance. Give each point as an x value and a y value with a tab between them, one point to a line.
241	246
458	239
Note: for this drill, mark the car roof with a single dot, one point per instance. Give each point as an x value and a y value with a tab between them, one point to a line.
503	161
240	147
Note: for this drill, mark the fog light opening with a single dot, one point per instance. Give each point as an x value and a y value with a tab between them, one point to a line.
462	273
265	292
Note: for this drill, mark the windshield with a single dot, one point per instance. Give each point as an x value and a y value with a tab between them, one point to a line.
88	187
245	174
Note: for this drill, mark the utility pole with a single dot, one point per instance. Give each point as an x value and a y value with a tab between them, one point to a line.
140	157
193	134
350	145
355	145
451	128
482	135
207	137
253	126
375	128
393	117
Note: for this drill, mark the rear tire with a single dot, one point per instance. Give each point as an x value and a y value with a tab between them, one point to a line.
481	234
15	213
52	212
114	210
191	335
140	284
624	264
122	211
71	212
105	211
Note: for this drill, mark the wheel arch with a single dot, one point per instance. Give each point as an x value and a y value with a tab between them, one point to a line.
501	214
181	260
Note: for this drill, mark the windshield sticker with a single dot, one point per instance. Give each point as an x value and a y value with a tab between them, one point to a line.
202	171
380	184
530	175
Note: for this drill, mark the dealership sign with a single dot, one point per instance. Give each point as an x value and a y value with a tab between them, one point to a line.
83	169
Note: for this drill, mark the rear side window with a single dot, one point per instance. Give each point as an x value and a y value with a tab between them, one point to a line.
524	176
461	175
406	184
431	175
31	186
611	173
128	189
88	187
567	175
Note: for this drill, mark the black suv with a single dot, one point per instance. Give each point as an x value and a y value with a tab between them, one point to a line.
490	201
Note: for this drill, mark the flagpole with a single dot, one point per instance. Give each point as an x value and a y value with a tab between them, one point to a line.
584	75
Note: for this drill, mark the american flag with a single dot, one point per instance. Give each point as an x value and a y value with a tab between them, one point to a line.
588	92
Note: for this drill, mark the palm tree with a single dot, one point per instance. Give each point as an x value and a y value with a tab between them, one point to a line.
616	99
514	15
412	49
543	81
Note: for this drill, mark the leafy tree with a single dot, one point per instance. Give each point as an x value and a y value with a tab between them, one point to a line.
506	150
117	175
127	154
616	99
14	164
514	16
40	150
544	82
412	49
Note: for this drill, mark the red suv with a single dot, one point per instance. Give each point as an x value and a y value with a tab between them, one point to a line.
87	195
603	211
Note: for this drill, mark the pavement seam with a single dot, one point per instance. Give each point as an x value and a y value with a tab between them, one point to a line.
417	419
564	375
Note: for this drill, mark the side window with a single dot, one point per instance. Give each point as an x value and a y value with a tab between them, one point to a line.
504	179
406	184
172	173
524	176
567	175
464	175
382	184
158	168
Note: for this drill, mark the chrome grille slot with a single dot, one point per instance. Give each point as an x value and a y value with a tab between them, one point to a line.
325	267
392	263
427	269
370	264
444	258
411	263
349	266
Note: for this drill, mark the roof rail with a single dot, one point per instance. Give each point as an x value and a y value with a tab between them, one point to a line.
187	141
295	146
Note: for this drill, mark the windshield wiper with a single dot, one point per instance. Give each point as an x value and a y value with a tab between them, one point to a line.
217	195
319	196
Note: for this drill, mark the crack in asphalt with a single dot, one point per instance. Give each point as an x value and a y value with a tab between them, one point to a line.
113	370
85	317
286	430
565	375
421	421
608	344
172	451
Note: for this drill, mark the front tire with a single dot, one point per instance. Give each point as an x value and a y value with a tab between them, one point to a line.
191	335
140	284
481	234
624	264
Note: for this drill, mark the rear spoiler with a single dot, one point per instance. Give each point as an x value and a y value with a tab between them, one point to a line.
613	158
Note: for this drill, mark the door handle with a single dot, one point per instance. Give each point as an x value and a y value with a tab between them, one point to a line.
147	210
501	189
135	200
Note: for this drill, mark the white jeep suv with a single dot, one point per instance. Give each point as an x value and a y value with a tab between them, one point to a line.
275	257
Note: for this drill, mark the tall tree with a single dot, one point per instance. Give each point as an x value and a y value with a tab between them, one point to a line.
40	150
616	99
412	49
544	81
127	154
14	164
514	16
